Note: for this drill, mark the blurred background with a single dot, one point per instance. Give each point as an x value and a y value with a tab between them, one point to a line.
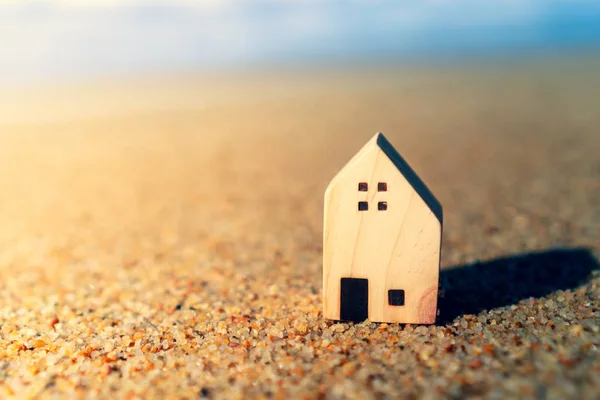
457	85
42	40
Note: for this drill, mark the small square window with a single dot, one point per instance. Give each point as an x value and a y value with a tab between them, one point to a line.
363	206
382	187
396	297
363	187
382	205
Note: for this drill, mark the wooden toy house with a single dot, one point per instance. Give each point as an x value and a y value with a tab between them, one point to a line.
382	241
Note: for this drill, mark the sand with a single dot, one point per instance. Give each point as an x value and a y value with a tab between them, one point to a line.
161	238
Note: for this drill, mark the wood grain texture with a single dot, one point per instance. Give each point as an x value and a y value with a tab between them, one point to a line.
397	248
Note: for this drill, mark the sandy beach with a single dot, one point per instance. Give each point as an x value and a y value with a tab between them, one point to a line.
161	237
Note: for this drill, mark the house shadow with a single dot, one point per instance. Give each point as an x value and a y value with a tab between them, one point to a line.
469	289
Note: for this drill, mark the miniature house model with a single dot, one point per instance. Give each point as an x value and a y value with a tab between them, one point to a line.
382	241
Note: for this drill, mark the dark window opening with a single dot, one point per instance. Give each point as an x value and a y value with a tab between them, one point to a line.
382	187
363	206
363	187
396	297
382	205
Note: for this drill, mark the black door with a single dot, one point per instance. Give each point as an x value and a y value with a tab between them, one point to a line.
354	299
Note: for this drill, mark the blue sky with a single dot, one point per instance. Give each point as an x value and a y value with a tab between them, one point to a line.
46	39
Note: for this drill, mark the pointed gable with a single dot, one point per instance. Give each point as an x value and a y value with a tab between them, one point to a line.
379	141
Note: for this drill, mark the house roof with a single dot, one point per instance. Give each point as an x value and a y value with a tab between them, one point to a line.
379	140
